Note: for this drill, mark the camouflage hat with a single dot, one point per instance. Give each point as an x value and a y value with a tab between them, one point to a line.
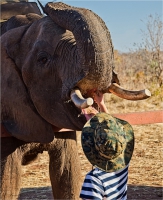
107	142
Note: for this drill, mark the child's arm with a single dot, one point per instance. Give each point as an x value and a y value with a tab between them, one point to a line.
99	99
90	111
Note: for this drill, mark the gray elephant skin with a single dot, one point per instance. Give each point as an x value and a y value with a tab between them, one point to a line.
43	60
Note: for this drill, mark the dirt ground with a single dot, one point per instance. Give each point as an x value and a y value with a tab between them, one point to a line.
145	172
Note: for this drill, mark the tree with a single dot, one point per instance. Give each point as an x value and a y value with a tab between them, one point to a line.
151	49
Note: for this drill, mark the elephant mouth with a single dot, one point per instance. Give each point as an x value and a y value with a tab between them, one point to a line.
81	102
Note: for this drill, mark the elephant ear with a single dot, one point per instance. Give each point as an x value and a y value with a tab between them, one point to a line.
19	116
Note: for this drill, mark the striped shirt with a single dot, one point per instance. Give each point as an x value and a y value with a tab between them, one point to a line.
100	185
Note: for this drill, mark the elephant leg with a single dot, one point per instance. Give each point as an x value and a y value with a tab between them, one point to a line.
10	168
64	168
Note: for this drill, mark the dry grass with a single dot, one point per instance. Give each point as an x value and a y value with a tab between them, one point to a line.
146	169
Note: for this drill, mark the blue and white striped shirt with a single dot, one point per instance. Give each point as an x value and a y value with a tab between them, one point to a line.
100	185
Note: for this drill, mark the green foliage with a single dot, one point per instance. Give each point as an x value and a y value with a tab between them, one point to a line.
157	91
153	64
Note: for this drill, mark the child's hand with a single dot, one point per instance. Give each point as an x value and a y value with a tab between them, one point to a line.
89	112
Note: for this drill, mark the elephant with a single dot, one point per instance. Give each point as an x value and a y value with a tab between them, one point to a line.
50	66
12	8
26	12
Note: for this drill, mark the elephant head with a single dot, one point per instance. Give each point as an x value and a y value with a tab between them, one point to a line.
47	68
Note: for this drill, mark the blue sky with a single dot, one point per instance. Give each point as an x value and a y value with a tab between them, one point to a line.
123	18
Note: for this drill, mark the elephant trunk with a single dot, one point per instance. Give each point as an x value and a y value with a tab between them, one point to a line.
93	41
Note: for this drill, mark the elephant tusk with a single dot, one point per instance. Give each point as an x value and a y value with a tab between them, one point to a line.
79	100
127	94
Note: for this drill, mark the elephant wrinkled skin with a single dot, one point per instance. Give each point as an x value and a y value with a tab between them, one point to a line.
44	59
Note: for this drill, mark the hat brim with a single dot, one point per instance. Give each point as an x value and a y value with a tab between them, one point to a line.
93	155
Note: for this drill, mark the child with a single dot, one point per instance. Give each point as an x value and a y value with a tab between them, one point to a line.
108	144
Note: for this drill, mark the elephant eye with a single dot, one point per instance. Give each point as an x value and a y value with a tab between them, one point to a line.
43	57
